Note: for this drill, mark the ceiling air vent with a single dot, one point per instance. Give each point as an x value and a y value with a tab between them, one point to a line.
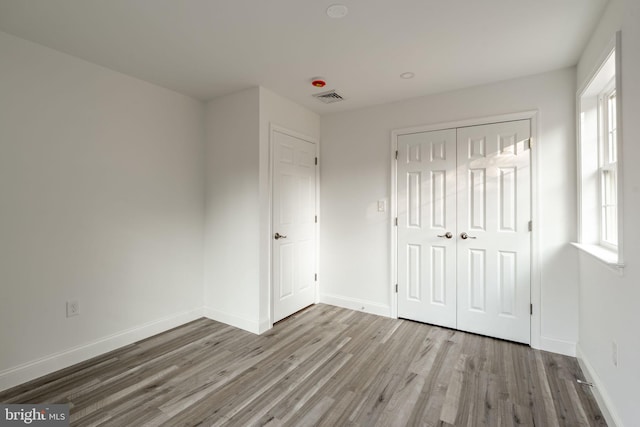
329	97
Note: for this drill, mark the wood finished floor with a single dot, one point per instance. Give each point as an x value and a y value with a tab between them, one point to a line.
325	366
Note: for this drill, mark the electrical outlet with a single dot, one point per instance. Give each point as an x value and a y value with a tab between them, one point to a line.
614	353
73	308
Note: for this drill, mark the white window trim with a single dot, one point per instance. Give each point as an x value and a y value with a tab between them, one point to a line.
603	253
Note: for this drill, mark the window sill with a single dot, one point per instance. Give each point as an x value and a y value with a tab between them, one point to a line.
604	255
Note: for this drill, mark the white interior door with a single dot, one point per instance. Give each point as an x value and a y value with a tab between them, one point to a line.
426	213
474	183
293	224
494	211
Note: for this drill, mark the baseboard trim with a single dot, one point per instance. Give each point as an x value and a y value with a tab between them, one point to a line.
568	348
36	368
264	326
239	322
356	304
599	392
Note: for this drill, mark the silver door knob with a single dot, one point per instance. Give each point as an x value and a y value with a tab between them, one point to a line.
279	236
465	236
447	235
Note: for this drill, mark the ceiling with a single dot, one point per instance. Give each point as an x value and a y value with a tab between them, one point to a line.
208	48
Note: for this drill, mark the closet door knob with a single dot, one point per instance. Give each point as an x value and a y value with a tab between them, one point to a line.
447	235
465	236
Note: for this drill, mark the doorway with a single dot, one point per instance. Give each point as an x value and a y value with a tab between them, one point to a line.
463	228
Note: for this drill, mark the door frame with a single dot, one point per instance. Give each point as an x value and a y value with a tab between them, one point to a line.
535	297
273	128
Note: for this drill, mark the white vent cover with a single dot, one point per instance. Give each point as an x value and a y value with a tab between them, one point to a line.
329	97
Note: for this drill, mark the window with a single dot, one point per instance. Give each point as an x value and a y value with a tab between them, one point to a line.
608	168
600	162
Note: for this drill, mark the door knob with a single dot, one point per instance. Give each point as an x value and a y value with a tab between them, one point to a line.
465	236
279	236
447	235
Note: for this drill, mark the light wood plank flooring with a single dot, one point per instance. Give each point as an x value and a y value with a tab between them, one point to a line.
324	366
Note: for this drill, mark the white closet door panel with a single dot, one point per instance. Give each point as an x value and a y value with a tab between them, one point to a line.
426	209
494	210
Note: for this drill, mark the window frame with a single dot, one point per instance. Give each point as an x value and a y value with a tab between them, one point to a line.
590	151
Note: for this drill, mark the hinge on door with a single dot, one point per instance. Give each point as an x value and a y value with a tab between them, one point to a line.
315	277
530	143
396	221
531	309
530	225
396	288
316	219
316	160
396	154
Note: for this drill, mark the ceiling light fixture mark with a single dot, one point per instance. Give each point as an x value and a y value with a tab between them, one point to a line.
337	11
407	75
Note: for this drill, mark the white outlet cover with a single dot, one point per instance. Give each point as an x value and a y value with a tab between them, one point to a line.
73	308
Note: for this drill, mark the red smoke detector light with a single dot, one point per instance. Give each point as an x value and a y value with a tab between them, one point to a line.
319	83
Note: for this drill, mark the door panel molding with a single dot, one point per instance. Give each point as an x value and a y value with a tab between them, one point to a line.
532	115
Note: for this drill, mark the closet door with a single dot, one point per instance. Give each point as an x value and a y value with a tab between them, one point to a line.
427	227
493	241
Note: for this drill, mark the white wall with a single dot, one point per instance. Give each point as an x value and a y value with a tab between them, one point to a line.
604	32
238	235
355	170
232	253
100	200
609	302
104	199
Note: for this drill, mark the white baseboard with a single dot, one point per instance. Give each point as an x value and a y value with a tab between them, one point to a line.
356	304
599	392
248	325
36	368
568	348
264	326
